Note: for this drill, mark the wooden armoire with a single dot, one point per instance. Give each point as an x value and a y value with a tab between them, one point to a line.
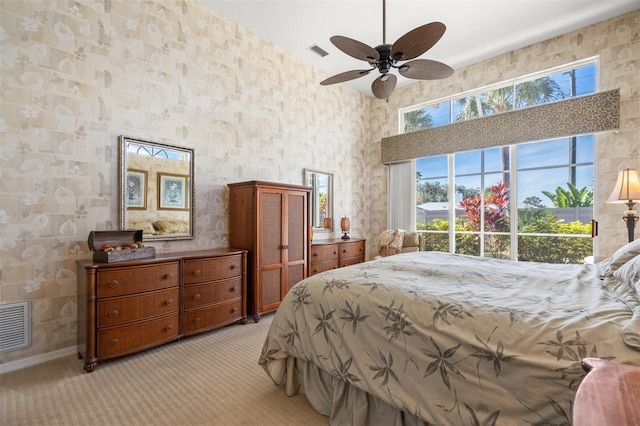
271	221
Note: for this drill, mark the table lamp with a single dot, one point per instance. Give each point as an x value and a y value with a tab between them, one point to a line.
627	191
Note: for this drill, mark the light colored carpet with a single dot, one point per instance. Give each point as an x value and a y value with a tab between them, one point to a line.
209	379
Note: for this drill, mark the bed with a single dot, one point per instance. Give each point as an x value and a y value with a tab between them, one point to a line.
436	338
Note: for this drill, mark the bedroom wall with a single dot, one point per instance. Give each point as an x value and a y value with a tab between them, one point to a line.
615	41
76	74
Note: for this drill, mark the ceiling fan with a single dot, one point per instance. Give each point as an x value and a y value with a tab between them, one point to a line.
387	56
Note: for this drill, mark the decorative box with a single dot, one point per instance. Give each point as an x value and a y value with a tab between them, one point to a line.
123	238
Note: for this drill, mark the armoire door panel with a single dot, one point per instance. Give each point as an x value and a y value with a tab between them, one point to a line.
271	280
271	228
295	274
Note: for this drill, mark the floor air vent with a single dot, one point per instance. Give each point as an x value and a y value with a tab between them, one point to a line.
14	326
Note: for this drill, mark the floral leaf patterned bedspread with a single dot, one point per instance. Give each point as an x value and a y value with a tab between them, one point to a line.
454	339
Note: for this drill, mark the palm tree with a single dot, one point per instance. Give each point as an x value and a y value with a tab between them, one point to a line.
417	120
529	93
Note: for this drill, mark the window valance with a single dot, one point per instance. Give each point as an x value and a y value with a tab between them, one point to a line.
575	116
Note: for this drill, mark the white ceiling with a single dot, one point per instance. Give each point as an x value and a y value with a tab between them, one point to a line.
476	29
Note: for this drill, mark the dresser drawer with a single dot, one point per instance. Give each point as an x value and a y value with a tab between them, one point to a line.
322	252
213	316
199	270
355	248
207	293
317	267
137	336
120	310
136	279
346	261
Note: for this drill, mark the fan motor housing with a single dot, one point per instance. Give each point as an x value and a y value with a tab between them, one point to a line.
385	62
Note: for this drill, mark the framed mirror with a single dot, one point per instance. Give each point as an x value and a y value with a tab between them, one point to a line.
321	199
156	189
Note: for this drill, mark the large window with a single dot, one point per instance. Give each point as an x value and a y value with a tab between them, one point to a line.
531	201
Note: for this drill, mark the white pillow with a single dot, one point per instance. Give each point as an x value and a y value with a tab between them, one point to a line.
630	273
620	257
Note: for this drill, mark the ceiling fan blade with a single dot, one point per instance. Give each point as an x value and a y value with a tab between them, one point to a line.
383	86
425	69
344	76
417	41
355	48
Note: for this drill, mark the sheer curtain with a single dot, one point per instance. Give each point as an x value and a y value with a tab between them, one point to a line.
401	212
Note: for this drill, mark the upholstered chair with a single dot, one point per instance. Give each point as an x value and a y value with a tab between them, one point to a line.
396	241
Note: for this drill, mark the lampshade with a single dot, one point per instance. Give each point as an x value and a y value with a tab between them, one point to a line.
627	189
345	224
327	223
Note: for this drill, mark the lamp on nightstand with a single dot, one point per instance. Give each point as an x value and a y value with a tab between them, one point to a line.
345	224
627	191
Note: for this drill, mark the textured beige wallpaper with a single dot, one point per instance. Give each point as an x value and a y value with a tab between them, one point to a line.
77	74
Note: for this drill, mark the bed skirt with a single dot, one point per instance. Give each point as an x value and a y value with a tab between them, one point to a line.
343	403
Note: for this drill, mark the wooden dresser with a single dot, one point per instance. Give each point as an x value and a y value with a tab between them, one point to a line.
127	307
335	253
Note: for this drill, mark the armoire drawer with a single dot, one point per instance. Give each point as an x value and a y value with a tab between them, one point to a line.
213	292
199	270
138	335
120	310
136	279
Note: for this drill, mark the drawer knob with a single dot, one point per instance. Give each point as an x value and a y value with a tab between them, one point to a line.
234	310
113	342
232	289
196	321
232	267
169	275
113	284
169	302
196	296
169	327
113	313
196	272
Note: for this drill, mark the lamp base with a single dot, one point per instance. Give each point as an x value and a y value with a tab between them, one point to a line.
346	236
630	219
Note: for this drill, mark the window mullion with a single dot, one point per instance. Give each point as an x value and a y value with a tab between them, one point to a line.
513	197
452	203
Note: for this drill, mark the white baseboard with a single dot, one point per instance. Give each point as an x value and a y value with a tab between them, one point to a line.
38	359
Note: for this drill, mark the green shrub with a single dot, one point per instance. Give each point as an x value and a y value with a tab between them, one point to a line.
550	249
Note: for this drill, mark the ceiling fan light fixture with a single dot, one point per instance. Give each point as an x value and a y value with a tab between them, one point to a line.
385	57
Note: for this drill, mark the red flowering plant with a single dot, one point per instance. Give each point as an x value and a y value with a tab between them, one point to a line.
496	215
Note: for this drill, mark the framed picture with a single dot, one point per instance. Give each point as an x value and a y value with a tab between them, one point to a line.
173	192
136	189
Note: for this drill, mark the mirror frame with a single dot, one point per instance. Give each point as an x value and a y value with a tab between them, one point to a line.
123	164
308	181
